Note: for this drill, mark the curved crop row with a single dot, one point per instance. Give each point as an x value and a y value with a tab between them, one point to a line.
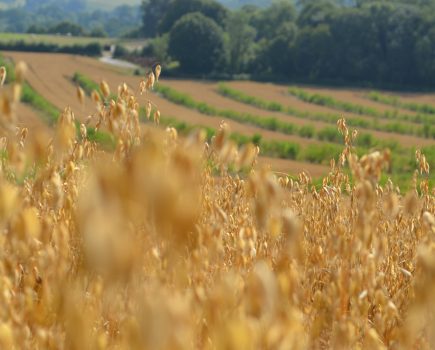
396	102
328	133
328	101
394	127
402	158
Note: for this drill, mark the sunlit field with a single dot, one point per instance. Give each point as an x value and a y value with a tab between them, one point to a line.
144	215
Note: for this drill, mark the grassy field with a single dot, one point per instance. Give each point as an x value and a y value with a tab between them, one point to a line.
64	40
52	39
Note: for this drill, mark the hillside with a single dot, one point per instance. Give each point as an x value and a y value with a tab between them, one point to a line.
89	5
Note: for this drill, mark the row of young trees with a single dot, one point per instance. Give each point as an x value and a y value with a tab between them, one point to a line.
342	41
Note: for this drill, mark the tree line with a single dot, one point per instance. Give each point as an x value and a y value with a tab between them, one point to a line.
70	16
387	43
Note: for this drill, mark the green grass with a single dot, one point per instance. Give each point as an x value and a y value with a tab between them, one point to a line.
62	40
393	127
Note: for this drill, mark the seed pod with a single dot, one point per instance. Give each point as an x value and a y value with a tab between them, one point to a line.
95	96
80	94
20	72
83	131
148	109
158	70
157	117
104	87
2	75
150	81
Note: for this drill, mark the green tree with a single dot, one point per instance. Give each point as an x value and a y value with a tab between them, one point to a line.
67	28
279	53
197	42
240	43
268	21
316	12
179	8
153	11
314	50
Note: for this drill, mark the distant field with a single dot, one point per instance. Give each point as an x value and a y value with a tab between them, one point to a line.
52	39
267	110
64	40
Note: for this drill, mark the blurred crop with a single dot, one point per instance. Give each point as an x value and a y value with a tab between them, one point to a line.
182	242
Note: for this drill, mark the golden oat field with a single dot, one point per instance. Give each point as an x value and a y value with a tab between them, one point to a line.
139	212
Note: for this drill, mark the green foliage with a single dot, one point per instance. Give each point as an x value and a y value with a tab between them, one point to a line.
240	38
329	101
344	42
49	111
153	11
207	54
178	8
321	154
307	131
120	51
88	85
330	134
43	18
158	48
91	49
67	28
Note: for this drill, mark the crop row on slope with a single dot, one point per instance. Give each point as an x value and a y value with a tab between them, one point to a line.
329	101
402	158
396	102
273	148
329	134
48	112
391	127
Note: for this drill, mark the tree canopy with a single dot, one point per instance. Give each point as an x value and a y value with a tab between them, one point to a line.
390	42
207	53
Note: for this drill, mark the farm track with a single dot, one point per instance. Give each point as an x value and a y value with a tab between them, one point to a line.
51	74
276	93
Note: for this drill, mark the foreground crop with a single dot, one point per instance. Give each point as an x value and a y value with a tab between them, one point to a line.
158	245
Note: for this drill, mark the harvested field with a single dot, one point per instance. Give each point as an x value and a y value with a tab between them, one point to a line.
54	82
278	93
51	75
